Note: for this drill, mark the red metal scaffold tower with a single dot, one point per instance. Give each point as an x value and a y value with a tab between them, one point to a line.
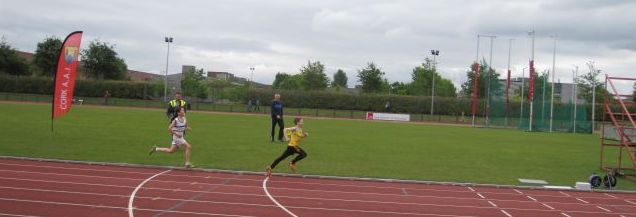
619	128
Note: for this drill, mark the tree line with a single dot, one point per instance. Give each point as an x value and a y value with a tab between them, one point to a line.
99	61
312	77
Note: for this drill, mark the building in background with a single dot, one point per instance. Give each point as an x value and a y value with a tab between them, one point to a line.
185	68
562	91
143	76
174	82
223	76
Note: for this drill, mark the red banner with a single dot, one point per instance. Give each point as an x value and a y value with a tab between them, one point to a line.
531	90
475	82
66	73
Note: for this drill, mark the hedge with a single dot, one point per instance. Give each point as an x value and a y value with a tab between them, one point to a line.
365	102
83	87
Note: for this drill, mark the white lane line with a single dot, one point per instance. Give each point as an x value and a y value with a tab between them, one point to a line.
517	191
289	197
471	189
290	189
566	215
493	204
118	208
629	201
579	199
612	196
546	205
606	210
404	191
16	215
482	196
302	191
564	193
224	178
132	196
531	198
274	200
507	214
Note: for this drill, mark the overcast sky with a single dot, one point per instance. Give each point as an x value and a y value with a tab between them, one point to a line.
281	36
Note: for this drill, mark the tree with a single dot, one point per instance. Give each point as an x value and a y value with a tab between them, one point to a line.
313	76
10	62
284	81
193	84
45	57
339	79
100	61
422	81
280	77
586	83
482	83
399	88
371	78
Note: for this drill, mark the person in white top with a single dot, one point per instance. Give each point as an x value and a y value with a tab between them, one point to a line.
177	128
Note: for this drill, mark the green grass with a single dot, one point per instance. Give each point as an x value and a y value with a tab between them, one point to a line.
335	147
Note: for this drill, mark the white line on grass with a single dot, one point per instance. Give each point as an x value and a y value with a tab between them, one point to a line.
507	214
132	196
274	200
606	210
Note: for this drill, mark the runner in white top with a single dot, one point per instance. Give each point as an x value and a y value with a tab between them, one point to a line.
177	128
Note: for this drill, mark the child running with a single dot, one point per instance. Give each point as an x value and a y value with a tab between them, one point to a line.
294	135
177	128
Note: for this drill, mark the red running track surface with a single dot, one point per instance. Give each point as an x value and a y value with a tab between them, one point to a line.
47	188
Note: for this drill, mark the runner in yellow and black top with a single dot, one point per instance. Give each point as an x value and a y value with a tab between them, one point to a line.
294	135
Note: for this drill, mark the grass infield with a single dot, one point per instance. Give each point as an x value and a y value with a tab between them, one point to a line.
335	147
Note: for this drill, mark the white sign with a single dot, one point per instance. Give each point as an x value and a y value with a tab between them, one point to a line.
388	116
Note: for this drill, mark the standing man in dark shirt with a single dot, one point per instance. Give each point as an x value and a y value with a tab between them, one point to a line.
174	106
277	117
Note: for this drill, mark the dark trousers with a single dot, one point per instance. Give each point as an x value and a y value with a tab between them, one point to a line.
289	152
281	126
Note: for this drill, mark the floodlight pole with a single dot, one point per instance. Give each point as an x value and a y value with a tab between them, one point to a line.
508	82
435	53
553	74
593	102
574	97
252	75
168	40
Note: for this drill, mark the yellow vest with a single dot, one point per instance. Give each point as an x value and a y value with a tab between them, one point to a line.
173	103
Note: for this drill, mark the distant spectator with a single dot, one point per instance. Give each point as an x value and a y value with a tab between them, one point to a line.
249	106
387	106
174	106
277	117
106	97
258	105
